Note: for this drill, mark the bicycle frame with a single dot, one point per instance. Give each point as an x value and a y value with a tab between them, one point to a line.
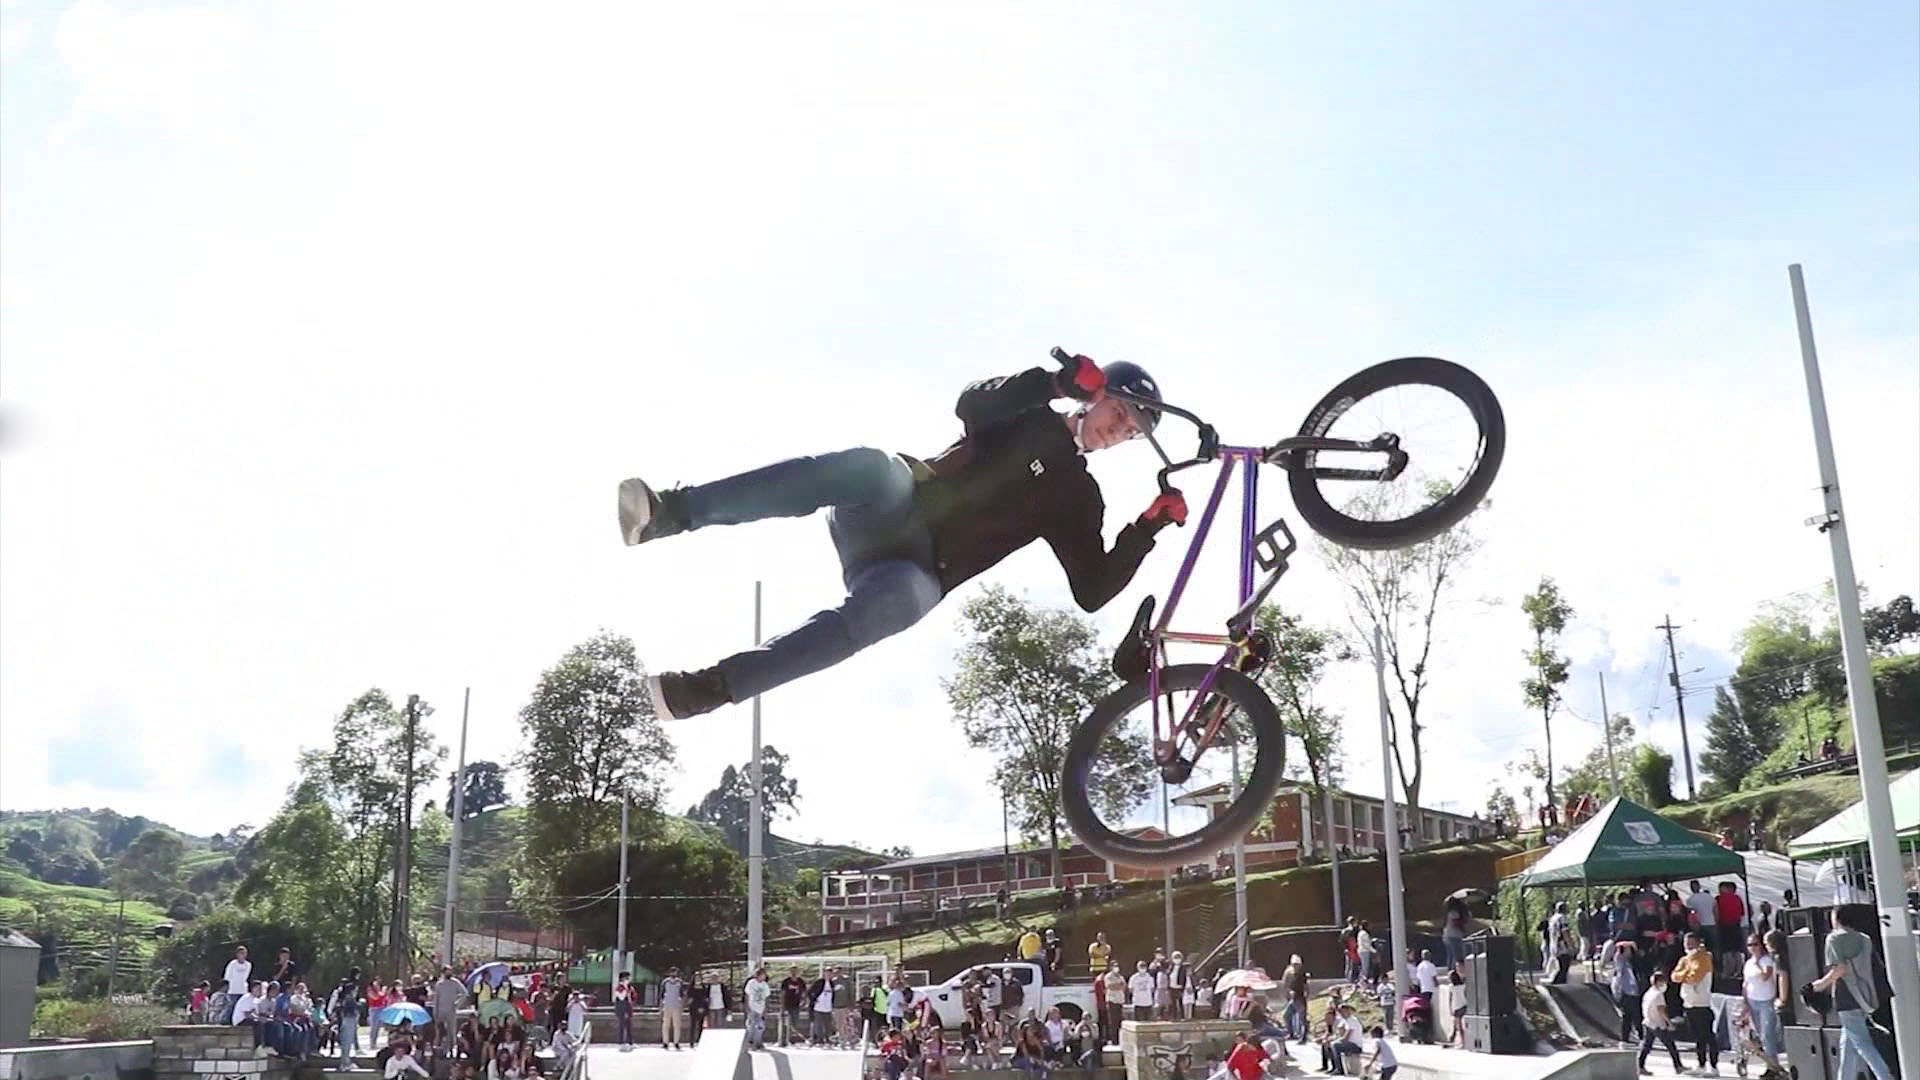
1248	459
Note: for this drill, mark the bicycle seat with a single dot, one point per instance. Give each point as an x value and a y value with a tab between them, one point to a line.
1134	654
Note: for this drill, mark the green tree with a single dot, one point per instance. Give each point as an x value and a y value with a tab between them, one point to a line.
1737	740
1791	648
687	904
1301	656
1501	809
150	866
326	859
1591	775
1025	678
1652	768
201	949
1400	594
1891	623
591	738
730	804
486	789
1547	615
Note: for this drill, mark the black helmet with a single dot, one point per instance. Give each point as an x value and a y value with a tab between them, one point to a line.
1131	377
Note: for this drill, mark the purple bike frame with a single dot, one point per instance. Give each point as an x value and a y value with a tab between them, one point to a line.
1248	458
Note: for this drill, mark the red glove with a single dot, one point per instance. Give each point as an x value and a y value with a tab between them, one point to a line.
1171	506
1084	381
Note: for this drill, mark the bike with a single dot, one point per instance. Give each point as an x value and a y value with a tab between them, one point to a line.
1212	710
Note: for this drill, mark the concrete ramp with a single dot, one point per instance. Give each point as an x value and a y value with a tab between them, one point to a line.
1587	1010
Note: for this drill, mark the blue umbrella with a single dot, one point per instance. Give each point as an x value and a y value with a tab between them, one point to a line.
403	1010
494	973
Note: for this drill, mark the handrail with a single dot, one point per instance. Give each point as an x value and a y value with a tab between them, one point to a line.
1201	964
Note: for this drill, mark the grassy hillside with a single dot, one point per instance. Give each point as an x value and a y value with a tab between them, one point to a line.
1784	811
78	847
76	924
1203	913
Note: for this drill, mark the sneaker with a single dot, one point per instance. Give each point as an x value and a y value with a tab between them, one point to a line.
648	515
680	694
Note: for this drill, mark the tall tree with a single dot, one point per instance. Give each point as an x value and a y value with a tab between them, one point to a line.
150	866
1400	593
327	857
730	804
685	908
1789	649
1501	809
486	788
1547	615
591	737
1302	655
1891	623
1652	768
1737	740
1026	677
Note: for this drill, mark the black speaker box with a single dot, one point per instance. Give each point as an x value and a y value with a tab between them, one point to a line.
1813	1053
1491	970
1479	1037
1803	966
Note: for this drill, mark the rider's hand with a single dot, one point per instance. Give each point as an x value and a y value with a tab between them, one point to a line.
1171	506
1083	381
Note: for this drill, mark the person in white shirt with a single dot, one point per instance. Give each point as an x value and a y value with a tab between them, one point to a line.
577	1013
1363	941
1346	1036
401	1062
1116	1000
1700	902
1654	1023
671	1007
1383	1064
1056	1033
897	999
239	974
1760	985
1426	976
1140	990
757	994
247	1007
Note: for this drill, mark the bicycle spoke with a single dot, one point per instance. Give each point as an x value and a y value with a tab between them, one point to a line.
1435	429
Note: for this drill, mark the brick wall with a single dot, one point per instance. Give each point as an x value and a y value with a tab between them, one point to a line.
213	1052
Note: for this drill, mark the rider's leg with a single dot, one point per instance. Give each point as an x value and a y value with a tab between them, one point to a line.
795	487
883	599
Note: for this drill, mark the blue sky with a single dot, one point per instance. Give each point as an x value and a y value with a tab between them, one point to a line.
327	331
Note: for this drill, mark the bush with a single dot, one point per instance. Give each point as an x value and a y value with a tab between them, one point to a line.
99	1021
201	949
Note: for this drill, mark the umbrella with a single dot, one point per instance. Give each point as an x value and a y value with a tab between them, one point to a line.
1251	978
1471	895
403	1010
494	973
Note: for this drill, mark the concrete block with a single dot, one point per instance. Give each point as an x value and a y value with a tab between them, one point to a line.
205	1067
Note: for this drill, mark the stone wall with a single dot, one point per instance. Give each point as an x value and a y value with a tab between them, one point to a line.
132	1060
1149	1047
213	1052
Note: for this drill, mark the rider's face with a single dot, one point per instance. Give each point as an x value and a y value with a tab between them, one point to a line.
1107	422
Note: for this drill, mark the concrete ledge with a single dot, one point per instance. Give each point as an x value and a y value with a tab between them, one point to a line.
131	1060
1148	1048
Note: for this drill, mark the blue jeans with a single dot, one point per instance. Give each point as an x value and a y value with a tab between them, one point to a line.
756	1028
349	1038
1295	1018
1856	1047
1766	1021
885	556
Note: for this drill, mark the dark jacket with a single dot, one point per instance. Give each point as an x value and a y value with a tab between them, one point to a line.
1013	477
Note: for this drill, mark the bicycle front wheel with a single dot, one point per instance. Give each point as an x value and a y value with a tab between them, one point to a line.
1442	416
1132	811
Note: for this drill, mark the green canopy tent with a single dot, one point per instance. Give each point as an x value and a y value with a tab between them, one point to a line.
1847	829
1624	842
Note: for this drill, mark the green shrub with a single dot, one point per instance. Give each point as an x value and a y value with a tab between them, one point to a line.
99	1021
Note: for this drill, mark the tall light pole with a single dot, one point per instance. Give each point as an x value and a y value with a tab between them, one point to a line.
459	817
1606	732
620	917
1883	849
1396	895
1241	941
755	860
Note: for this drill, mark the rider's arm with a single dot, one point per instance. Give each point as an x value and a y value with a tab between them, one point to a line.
1095	574
994	401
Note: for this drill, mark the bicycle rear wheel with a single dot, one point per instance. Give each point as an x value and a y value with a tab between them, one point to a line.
1448	423
1111	788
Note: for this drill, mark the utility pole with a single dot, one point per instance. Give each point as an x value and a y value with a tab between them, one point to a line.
1166	827
402	872
1333	849
1679	701
620	918
459	816
1006	842
1606	732
1546	705
756	861
113	963
1806	725
1241	943
1883	848
1396	888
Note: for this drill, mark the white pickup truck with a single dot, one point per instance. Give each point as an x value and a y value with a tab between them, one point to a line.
1037	995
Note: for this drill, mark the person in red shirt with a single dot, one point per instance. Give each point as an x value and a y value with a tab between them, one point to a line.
1729	915
1248	1061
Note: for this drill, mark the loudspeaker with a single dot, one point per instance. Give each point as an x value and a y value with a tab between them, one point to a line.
1479	1036
1491	970
1510	1034
1813	1053
1803	964
1793	920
